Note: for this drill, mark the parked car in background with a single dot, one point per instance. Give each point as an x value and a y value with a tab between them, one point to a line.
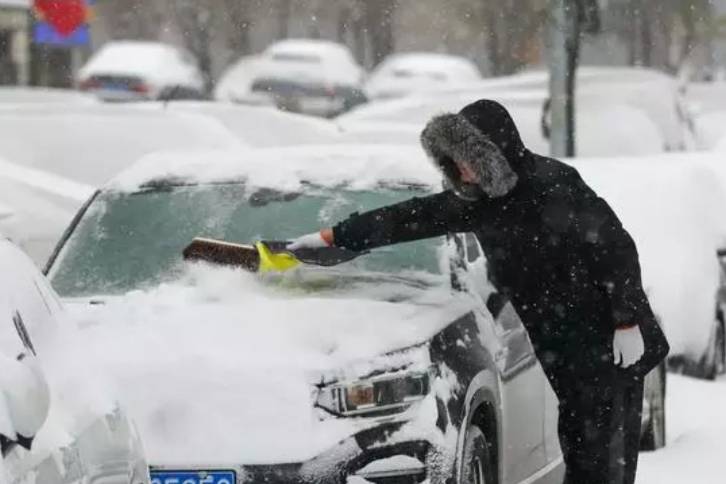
402	74
256	126
36	206
53	155
627	104
51	430
392	369
12	96
678	228
130	70
309	76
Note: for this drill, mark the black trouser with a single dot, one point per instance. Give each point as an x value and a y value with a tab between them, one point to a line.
599	426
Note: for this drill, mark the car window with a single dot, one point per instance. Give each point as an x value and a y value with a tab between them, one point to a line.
134	241
473	250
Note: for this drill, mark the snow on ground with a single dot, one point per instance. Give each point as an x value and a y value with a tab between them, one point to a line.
696	428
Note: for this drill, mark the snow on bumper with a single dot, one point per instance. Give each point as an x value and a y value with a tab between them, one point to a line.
406	445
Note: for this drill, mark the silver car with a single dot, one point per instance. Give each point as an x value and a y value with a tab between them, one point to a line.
47	435
389	368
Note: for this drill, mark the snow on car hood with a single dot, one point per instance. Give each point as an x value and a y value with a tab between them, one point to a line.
219	368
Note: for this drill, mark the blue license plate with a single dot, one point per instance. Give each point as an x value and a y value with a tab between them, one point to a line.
193	477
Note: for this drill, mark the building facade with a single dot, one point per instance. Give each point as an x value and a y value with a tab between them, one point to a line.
15	26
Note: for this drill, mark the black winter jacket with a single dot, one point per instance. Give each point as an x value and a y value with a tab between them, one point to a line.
553	247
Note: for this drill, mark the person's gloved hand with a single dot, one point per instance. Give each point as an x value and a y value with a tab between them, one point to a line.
316	240
628	346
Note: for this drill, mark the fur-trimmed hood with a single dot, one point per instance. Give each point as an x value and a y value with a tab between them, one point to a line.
483	135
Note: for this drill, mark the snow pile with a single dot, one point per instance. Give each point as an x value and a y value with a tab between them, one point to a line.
228	359
357	166
673	208
90	144
696	429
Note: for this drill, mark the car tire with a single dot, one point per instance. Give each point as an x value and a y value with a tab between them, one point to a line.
476	463
654	435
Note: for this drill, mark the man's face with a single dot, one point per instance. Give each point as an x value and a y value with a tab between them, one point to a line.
466	172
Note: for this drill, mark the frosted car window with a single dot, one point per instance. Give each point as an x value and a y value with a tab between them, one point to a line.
133	241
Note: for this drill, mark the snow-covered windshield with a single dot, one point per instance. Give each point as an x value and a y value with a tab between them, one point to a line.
129	241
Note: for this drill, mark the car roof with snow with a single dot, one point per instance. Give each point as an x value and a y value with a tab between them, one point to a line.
430	62
256	126
355	166
157	60
308	46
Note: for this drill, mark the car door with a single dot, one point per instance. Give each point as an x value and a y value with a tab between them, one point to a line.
522	377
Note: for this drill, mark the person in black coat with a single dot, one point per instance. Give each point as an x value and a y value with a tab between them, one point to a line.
559	253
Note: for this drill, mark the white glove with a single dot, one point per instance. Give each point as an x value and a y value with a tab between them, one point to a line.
309	241
628	346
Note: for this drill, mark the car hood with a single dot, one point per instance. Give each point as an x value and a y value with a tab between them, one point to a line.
224	372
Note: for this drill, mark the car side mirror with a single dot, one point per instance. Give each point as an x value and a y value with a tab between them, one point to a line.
24	400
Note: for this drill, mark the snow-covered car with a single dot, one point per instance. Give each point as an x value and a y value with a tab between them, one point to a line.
678	227
90	144
402	74
130	70
54	426
619	111
52	155
258	126
36	206
309	76
10	96
388	368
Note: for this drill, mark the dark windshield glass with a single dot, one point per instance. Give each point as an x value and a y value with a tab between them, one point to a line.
134	240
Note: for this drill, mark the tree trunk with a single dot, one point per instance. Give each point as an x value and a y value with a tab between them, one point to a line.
284	8
379	25
240	17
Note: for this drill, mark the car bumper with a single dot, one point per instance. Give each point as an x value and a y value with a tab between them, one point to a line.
394	451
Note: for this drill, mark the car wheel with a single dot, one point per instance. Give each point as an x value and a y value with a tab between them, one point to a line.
476	465
654	436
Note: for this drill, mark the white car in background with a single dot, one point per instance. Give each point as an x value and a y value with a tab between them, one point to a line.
309	76
619	111
12	96
52	156
138	70
402	74
55	427
257	126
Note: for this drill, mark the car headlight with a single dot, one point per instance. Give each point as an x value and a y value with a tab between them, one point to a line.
382	395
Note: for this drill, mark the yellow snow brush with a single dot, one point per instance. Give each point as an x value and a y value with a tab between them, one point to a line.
275	262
